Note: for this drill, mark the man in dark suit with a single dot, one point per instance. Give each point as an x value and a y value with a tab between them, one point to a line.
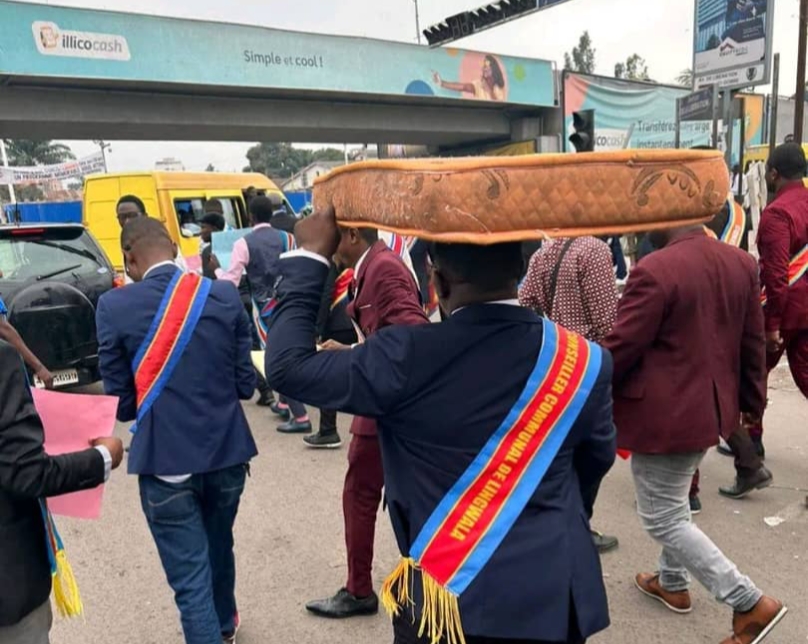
439	392
385	293
192	447
688	351
28	474
282	219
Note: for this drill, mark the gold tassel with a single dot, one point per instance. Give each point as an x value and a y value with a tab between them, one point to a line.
65	589
440	614
396	588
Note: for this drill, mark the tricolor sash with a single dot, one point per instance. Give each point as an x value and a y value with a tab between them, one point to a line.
797	268
261	314
477	513
169	335
342	286
65	589
735	226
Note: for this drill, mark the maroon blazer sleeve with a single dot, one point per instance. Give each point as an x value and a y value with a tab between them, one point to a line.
774	239
639	316
752	389
395	297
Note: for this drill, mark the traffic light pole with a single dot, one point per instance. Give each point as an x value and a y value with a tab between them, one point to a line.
799	103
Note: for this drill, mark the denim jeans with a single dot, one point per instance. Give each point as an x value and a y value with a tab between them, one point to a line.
192	525
663	483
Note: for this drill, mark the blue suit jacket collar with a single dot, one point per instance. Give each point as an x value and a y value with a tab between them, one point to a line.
495	312
161	271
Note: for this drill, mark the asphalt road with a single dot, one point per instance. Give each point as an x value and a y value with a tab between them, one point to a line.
290	549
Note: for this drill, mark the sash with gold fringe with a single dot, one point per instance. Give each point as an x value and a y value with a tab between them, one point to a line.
797	268
477	513
65	589
169	335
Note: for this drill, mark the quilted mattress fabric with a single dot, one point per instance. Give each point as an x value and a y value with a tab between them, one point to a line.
485	200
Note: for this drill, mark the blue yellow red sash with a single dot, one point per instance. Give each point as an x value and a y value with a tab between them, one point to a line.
65	589
261	314
477	513
797	268
735	227
169	335
342	288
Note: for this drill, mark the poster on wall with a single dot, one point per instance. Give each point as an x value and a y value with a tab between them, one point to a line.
732	42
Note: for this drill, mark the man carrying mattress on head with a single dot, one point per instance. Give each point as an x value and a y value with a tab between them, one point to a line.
495	428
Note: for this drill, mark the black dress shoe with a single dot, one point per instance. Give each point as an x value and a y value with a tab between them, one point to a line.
295	427
604	542
283	412
344	604
266	399
319	440
744	485
695	505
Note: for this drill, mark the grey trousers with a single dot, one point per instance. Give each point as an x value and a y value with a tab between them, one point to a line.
662	482
33	629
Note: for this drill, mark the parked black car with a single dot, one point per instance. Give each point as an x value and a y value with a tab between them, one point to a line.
51	276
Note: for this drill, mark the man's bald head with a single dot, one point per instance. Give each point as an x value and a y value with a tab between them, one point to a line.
145	242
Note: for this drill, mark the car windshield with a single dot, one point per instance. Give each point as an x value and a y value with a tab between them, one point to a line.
40	253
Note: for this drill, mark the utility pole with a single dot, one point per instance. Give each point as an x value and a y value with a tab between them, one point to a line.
4	157
799	105
104	147
417	22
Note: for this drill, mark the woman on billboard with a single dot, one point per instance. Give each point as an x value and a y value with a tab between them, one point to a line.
490	86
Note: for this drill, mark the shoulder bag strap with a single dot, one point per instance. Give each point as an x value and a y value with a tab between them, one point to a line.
554	277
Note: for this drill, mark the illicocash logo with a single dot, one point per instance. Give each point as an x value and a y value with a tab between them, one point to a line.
49	35
52	41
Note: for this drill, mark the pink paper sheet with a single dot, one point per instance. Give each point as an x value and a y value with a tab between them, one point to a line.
71	421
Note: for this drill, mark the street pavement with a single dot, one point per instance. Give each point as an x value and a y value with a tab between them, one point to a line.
290	548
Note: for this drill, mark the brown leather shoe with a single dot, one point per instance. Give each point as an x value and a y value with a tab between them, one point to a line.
648	584
754	626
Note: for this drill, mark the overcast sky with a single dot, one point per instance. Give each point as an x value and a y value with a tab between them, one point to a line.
661	31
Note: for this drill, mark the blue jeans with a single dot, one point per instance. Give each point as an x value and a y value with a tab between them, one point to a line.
192	525
663	482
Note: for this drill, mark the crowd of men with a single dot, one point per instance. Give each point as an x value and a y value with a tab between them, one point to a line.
487	434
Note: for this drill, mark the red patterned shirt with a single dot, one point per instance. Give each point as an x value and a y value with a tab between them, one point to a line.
586	293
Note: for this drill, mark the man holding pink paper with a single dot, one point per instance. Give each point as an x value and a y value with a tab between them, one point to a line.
33	557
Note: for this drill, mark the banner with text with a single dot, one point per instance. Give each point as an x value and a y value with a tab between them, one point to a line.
732	42
92	164
630	114
49	41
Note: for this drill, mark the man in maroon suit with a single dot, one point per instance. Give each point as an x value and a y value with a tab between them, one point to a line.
782	235
689	357
385	293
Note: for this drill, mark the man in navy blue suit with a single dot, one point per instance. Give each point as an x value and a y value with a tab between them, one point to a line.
441	393
192	443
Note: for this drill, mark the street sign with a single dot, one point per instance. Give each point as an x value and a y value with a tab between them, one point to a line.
698	106
732	45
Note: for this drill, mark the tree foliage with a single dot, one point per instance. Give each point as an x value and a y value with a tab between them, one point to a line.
582	58
635	68
685	77
27	152
282	160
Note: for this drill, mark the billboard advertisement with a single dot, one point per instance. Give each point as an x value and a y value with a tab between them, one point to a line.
630	114
59	42
643	115
732	42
